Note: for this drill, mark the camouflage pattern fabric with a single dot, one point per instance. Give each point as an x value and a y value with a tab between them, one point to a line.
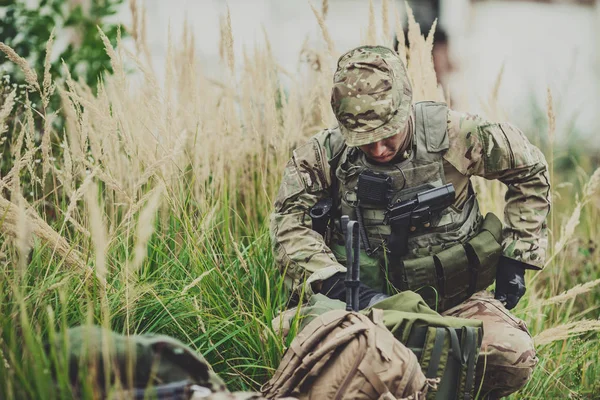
136	361
477	147
299	251
371	95
501	151
140	362
507	355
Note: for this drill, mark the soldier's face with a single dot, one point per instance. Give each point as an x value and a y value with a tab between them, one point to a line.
385	150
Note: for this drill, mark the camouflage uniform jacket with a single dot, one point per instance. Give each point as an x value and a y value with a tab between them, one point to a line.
476	147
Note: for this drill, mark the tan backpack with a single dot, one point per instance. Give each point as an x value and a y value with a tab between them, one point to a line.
346	355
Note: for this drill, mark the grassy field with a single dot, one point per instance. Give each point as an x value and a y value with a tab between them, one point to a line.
149	213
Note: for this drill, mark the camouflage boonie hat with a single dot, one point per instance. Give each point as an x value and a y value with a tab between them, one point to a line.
371	96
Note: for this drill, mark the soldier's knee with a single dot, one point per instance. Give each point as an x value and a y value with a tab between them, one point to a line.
507	365
501	381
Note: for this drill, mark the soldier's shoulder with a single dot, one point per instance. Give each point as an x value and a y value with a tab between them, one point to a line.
331	140
463	124
465	147
331	134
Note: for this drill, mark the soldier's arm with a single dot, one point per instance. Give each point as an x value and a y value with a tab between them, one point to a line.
501	151
299	251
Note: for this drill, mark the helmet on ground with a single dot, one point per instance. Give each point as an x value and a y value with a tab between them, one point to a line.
371	96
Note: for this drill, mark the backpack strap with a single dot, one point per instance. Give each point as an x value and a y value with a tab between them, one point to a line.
436	353
471	345
376	315
382	390
335	145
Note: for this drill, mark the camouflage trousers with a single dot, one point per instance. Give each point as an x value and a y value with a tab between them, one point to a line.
507	355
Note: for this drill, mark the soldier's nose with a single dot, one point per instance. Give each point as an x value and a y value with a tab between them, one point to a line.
377	149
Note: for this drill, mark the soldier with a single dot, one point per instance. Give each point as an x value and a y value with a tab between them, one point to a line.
385	150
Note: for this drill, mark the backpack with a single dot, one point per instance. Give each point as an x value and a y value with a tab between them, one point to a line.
140	367
446	348
347	355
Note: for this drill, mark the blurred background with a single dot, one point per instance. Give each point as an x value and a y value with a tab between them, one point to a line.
526	46
536	45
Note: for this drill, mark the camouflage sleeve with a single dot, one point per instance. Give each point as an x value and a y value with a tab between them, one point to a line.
300	251
501	151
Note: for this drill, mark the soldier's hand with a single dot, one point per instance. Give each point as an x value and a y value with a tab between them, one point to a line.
510	282
335	288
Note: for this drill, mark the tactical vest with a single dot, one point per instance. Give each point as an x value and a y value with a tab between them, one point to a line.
447	262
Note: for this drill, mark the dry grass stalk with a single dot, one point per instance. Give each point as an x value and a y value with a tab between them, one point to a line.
23	235
30	75
176	167
98	230
15	171
80	192
324	32
46	136
115	60
429	40
567	230
134	31
74	144
6	109
420	62
592	186
228	32
75	224
65	175
196	281
239	254
385	23
30	141
135	206
144	36
145	229
43	231
566	331
570	294
400	34
551	118
371	38
47	86
324	8
11	180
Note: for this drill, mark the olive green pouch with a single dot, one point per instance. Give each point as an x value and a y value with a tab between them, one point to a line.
484	250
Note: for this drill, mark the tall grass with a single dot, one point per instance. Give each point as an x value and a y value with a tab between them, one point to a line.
149	214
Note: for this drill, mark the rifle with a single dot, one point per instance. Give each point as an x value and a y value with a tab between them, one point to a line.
352	262
414	214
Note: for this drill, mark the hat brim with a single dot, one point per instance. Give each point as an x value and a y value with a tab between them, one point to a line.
389	129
